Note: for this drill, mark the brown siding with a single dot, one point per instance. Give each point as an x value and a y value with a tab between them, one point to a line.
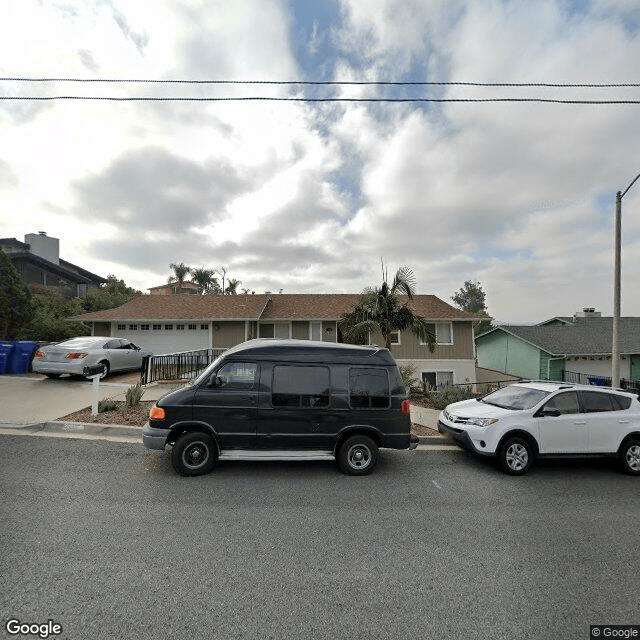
101	328
411	349
227	334
300	330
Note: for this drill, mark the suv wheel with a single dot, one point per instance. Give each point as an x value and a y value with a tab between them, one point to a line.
358	455
194	454
629	456
516	456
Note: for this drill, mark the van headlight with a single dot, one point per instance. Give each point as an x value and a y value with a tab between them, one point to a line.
482	422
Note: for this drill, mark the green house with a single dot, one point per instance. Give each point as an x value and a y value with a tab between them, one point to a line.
574	348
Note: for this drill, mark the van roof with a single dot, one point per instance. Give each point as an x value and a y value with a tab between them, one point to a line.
309	351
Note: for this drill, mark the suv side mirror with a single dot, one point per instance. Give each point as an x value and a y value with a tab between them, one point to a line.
550	413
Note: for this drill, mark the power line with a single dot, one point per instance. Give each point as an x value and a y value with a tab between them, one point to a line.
295	99
567	85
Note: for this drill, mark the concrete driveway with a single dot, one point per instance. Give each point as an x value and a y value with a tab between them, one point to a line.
33	398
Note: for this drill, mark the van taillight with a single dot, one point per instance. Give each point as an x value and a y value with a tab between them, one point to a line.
406	407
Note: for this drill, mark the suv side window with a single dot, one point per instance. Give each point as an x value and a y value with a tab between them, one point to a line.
564	403
595	401
369	388
300	386
238	375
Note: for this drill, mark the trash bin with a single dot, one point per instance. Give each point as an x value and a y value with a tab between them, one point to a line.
5	353
20	357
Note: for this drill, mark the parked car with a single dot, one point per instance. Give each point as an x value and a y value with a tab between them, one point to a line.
72	356
286	400
527	420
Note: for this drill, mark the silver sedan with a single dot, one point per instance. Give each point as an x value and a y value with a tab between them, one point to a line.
72	356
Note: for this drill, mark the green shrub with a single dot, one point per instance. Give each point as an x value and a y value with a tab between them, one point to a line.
107	405
440	398
408	373
134	395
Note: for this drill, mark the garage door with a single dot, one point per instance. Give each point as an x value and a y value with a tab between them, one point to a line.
167	337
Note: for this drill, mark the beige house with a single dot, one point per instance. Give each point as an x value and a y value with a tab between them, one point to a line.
171	324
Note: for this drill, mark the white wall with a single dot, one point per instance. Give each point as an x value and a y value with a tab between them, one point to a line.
597	367
464	371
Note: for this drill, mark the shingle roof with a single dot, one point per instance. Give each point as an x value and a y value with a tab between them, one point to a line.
592	336
187	307
250	307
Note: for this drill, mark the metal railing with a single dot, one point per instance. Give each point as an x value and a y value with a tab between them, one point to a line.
177	366
599	381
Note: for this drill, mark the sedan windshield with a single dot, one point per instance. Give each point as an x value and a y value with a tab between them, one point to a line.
516	398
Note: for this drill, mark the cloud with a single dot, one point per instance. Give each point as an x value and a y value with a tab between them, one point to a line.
8	177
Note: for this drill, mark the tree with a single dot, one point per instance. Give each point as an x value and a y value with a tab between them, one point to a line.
380	309
49	321
15	300
232	287
471	297
114	293
180	272
204	279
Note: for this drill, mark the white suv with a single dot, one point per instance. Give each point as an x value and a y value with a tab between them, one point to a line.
533	419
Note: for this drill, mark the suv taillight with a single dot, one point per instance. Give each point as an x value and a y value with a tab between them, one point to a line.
406	407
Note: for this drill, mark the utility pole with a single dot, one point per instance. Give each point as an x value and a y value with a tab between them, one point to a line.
615	347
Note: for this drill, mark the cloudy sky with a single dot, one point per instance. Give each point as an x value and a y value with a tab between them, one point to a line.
308	197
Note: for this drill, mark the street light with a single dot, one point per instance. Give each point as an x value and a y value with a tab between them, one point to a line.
615	347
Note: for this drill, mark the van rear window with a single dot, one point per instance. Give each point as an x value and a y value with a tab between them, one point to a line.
369	388
299	386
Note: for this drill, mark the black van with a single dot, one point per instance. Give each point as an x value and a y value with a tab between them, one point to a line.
286	400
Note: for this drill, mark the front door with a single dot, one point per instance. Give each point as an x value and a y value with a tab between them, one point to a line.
228	402
566	433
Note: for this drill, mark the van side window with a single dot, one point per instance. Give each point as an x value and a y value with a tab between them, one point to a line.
369	389
238	375
299	386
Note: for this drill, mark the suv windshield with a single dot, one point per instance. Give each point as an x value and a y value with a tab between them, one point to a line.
516	398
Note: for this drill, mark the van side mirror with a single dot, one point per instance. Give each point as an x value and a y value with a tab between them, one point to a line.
214	382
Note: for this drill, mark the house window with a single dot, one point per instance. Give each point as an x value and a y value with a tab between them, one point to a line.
279	330
204	327
157	327
168	327
443	332
193	327
133	327
438	379
315	331
144	327
180	327
394	337
122	327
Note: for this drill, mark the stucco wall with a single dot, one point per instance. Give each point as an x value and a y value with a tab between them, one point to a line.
503	352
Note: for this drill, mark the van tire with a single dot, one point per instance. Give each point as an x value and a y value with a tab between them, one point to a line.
194	454
358	455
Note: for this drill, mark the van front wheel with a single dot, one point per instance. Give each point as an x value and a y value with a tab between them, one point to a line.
358	455
194	454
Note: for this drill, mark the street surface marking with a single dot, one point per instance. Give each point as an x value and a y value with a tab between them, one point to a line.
70	435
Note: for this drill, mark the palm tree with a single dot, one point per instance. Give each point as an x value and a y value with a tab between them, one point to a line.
204	279
180	272
381	309
232	287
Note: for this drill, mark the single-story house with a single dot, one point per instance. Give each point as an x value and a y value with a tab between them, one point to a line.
37	261
172	324
572	348
175	288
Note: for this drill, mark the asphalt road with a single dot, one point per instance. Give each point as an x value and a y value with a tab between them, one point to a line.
103	539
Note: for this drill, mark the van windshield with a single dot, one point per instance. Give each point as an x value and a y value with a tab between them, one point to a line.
515	398
207	372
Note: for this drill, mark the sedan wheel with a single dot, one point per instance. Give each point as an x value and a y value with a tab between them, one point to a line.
516	456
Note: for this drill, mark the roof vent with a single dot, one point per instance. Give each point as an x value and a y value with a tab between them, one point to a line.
588	312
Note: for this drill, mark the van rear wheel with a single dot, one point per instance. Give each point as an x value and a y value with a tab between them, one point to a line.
194	454
358	455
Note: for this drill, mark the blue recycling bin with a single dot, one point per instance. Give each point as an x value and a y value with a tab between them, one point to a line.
20	357
5	353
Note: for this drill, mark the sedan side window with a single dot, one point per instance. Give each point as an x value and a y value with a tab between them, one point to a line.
564	403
